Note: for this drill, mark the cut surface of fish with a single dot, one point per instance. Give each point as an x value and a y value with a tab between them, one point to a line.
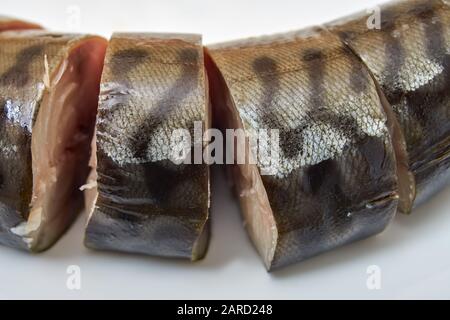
8	23
152	84
336	177
49	86
409	56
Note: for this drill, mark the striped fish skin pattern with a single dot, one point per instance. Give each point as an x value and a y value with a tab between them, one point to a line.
23	59
152	84
336	181
409	56
13	209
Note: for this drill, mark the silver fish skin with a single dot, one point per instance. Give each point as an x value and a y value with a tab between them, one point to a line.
152	84
409	56
336	181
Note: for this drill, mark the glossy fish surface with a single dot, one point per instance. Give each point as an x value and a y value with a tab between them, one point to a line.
47	100
8	23
152	84
336	179
408	54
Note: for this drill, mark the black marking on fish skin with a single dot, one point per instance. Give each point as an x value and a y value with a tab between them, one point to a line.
422	101
291	142
123	61
266	65
436	50
389	17
176	236
1	177
2	115
182	87
343	123
346	125
292	139
162	177
2	103
189	56
156	235
316	175
346	36
18	74
2	107
434	94
394	50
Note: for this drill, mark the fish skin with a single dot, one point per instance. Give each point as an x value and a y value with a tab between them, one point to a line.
336	182
9	23
151	85
22	89
410	59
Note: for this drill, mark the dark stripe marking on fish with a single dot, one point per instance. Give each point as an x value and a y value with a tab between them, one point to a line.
394	52
166	174
359	71
263	66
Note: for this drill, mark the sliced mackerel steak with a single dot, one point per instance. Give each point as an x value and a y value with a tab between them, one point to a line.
334	180
144	201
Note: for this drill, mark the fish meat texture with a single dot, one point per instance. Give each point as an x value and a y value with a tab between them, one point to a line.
144	202
409	56
335	180
49	85
8	23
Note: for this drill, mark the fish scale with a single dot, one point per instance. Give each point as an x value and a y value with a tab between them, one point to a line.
363	118
366	127
9	23
27	59
329	188
409	58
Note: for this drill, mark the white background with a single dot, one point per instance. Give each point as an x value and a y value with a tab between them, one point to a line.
413	253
